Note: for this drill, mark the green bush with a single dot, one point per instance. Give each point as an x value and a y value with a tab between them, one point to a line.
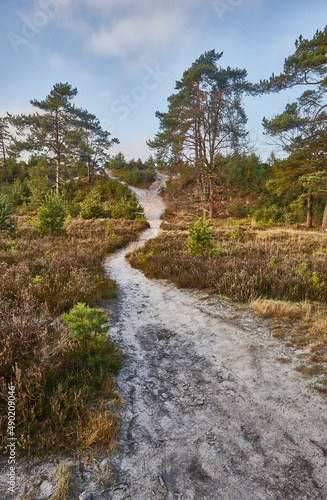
199	236
150	174
127	209
7	221
51	215
91	207
113	189
241	210
41	180
87	326
19	192
133	176
267	216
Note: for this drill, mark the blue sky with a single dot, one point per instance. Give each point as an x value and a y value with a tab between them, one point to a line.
125	56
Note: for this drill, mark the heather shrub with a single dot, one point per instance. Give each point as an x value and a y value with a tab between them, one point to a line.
65	397
59	392
256	264
51	215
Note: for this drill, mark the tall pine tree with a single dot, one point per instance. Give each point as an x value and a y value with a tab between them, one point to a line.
301	128
205	119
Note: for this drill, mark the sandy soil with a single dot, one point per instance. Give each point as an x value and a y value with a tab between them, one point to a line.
209	411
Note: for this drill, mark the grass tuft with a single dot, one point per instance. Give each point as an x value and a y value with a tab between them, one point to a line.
67	483
275	309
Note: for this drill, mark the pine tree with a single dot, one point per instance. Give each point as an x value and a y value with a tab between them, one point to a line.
49	132
301	128
205	119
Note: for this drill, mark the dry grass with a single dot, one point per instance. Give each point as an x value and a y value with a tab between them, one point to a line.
60	389
302	325
274	309
66	481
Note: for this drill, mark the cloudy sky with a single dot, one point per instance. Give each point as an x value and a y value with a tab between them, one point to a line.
125	56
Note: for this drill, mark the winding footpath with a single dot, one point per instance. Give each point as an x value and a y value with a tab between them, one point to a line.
209	412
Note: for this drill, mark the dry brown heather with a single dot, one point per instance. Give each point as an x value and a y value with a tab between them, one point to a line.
283	273
65	397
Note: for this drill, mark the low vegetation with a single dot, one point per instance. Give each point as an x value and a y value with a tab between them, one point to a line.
251	264
65	397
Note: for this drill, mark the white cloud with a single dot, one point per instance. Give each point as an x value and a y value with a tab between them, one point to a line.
133	31
56	62
132	35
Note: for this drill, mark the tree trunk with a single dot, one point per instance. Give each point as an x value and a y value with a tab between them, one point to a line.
88	162
58	154
211	201
324	221
58	176
4	159
309	212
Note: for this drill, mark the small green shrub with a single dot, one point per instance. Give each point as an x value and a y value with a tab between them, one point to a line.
143	256
12	247
199	236
235	234
19	192
133	176
7	221
150	174
51	215
315	279
241	210
217	251
87	326
91	207
302	268
127	209
267	216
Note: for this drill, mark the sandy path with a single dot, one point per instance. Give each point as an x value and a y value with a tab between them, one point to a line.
209	412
